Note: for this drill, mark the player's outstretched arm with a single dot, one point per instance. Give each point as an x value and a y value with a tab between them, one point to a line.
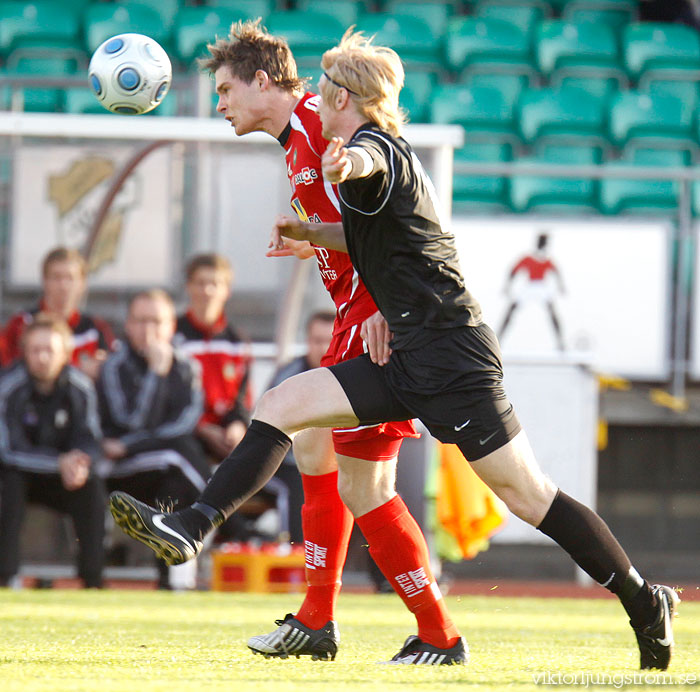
328	235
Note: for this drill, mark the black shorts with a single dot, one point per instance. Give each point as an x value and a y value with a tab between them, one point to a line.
454	385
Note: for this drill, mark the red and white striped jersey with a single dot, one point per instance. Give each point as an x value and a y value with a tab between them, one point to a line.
316	200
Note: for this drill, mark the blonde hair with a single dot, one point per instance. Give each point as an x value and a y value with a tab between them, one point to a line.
44	321
372	74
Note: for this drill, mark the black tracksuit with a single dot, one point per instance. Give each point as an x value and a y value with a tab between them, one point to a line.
34	430
155	418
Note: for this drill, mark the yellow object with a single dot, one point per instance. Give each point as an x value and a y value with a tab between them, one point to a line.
663	398
466	507
258	571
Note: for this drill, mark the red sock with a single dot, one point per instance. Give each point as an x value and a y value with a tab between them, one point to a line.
398	547
327	524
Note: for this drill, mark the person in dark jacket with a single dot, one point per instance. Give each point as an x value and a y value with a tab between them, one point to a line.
150	401
50	446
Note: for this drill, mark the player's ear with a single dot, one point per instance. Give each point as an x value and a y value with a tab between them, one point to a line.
341	98
263	79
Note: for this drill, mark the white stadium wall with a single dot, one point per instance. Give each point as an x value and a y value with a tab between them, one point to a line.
56	193
614	309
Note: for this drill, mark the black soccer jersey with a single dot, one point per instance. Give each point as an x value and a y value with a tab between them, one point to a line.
405	256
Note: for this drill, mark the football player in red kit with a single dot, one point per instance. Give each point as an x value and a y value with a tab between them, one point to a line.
259	90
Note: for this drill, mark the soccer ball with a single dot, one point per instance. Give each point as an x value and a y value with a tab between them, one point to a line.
130	74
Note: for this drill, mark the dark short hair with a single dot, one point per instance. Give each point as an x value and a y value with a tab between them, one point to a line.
249	48
152	294
63	254
208	260
326	316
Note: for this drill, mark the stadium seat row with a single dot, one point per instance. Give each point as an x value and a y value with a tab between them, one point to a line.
523	193
627	118
430	34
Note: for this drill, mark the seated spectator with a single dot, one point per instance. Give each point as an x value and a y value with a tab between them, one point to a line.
286	483
150	401
204	333
49	447
64	283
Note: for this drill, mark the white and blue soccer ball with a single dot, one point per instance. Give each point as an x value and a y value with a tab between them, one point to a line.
130	74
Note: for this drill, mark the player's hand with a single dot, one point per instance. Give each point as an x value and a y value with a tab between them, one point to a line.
301	249
375	333
335	164
113	448
235	432
74	467
289	227
214	438
159	356
91	365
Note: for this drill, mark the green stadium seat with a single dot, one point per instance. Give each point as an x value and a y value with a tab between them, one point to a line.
655	46
105	20
635	117
643	196
309	35
345	11
476	192
167	9
687	91
568	6
561	45
528	192
434	14
613	14
483	111
482	44
695	201
600	88
510	85
197	26
415	95
43	98
524	16
409	36
46	48
82	100
245	9
569	113
43	21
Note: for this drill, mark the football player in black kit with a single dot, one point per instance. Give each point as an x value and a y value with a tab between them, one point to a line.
445	367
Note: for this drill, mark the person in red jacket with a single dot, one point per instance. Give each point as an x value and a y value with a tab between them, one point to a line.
64	283
204	333
259	90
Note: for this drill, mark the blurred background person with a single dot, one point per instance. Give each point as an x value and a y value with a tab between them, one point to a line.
64	284
203	332
50	446
150	401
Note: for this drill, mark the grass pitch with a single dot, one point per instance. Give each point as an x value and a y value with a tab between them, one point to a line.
154	641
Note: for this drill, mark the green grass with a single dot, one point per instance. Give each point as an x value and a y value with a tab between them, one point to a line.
153	641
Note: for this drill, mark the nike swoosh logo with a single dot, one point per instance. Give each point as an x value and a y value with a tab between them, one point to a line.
464	425
486	439
158	522
668	632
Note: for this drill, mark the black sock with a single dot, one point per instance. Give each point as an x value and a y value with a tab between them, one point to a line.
245	471
591	544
